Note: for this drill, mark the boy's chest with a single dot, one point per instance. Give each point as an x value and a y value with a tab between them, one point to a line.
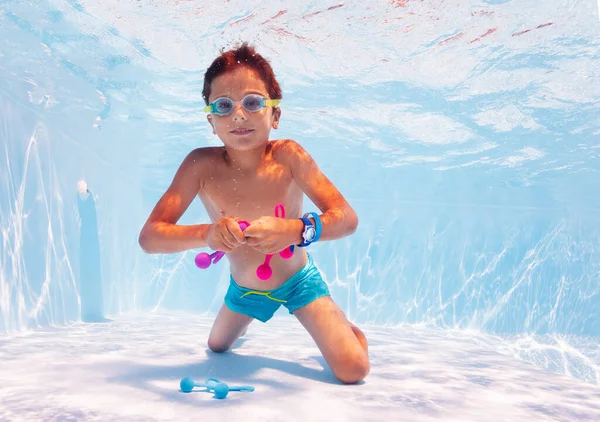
248	197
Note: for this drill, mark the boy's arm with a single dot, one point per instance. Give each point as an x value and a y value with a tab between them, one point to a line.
338	218
160	234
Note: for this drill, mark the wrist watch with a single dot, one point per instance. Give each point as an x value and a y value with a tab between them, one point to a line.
311	232
308	233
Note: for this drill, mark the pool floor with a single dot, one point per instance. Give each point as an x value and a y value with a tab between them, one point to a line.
129	369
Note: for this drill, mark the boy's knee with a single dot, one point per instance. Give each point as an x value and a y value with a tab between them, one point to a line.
217	347
353	369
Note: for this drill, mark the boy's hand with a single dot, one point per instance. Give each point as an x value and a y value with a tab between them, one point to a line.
271	235
225	235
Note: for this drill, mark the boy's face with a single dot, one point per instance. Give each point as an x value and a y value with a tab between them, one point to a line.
242	129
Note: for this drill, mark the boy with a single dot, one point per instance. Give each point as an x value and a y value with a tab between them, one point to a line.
244	180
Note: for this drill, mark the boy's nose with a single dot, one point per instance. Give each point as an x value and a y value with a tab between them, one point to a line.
238	112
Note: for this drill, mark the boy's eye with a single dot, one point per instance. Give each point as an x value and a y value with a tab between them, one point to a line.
223	105
252	103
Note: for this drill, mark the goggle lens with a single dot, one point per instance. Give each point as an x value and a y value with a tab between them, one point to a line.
252	103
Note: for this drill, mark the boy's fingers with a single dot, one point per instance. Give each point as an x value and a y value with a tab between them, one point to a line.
228	239
236	234
252	241
250	230
224	247
239	234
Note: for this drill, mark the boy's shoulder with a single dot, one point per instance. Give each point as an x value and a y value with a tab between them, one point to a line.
286	149
290	153
199	159
206	151
204	154
283	143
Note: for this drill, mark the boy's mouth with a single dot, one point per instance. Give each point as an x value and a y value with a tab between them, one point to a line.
241	131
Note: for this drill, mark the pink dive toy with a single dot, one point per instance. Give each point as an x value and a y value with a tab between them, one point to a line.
203	260
264	271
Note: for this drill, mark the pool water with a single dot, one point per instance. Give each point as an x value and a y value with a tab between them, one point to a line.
466	135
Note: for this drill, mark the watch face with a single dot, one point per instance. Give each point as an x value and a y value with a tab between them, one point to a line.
310	233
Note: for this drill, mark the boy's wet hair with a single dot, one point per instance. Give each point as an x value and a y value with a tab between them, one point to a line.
242	56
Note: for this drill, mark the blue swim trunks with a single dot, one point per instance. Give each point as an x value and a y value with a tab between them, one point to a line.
301	289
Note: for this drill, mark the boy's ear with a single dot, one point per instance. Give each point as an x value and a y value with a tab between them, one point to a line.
209	118
276	116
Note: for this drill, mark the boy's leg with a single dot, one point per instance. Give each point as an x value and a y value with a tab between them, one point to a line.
226	329
343	345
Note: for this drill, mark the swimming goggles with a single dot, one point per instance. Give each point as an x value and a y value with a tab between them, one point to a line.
251	102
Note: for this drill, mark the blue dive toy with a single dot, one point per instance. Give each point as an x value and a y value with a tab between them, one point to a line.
212	385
